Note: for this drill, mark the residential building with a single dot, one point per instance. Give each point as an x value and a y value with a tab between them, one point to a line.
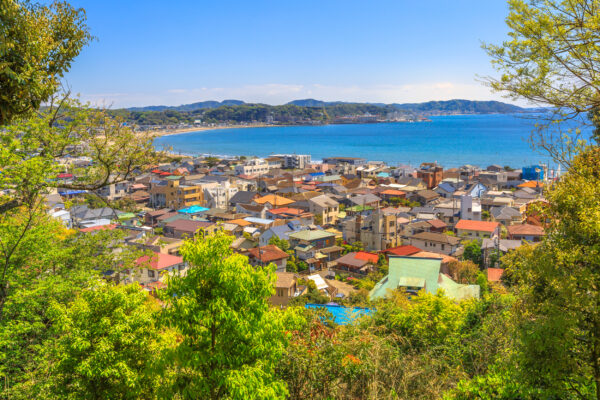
431	174
377	231
528	232
294	161
415	274
324	207
359	262
435	242
256	166
173	194
269	254
286	288
476	229
187	228
153	267
345	160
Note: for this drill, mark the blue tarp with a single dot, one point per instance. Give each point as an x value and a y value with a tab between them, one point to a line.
193	210
343	315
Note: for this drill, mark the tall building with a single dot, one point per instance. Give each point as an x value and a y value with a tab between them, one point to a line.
431	174
294	161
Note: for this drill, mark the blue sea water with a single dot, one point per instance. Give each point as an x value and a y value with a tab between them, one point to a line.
450	140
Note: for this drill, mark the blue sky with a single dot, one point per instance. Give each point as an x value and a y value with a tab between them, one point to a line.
175	52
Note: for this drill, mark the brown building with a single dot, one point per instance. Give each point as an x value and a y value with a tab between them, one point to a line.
174	194
285	288
431	173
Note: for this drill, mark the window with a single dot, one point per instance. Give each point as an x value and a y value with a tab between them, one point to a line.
443	247
151	273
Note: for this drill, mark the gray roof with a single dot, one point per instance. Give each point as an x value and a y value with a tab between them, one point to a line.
364	199
324	201
437	237
504	212
243	196
505	244
84	212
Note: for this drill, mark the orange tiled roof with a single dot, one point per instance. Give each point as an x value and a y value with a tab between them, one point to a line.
370	257
531	184
274	200
482	226
268	253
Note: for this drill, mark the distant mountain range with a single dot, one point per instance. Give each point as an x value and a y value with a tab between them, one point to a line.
190	107
426	108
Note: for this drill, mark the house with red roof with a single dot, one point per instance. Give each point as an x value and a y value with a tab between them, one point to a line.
405	250
151	268
476	229
392	193
268	254
528	232
359	262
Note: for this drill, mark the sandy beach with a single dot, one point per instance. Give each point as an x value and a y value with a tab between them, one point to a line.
166	132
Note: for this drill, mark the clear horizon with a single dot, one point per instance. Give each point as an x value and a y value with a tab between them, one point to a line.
155	53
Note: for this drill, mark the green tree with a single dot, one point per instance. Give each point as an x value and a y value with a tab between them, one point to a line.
107	342
30	151
557	282
472	252
551	58
463	271
230	339
37	46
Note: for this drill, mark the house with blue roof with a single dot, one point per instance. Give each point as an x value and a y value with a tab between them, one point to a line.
282	232
445	190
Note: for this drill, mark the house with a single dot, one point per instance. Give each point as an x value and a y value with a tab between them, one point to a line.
243	197
359	262
469	209
286	288
437	225
289	213
506	215
160	244
281	231
366	200
424	197
172	193
389	194
272	201
307	245
150	268
404	250
254	210
414	274
431	174
324	207
151	217
528	232
476	229
269	254
475	189
435	242
376	231
187	228
445	190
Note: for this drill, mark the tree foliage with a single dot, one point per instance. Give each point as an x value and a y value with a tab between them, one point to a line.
37	46
107	341
230	340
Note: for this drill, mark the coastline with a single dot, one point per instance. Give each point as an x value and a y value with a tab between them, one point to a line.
168	132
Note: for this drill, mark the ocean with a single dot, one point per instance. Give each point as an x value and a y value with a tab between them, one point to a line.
452	141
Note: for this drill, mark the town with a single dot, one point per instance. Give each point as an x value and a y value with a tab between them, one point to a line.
342	231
